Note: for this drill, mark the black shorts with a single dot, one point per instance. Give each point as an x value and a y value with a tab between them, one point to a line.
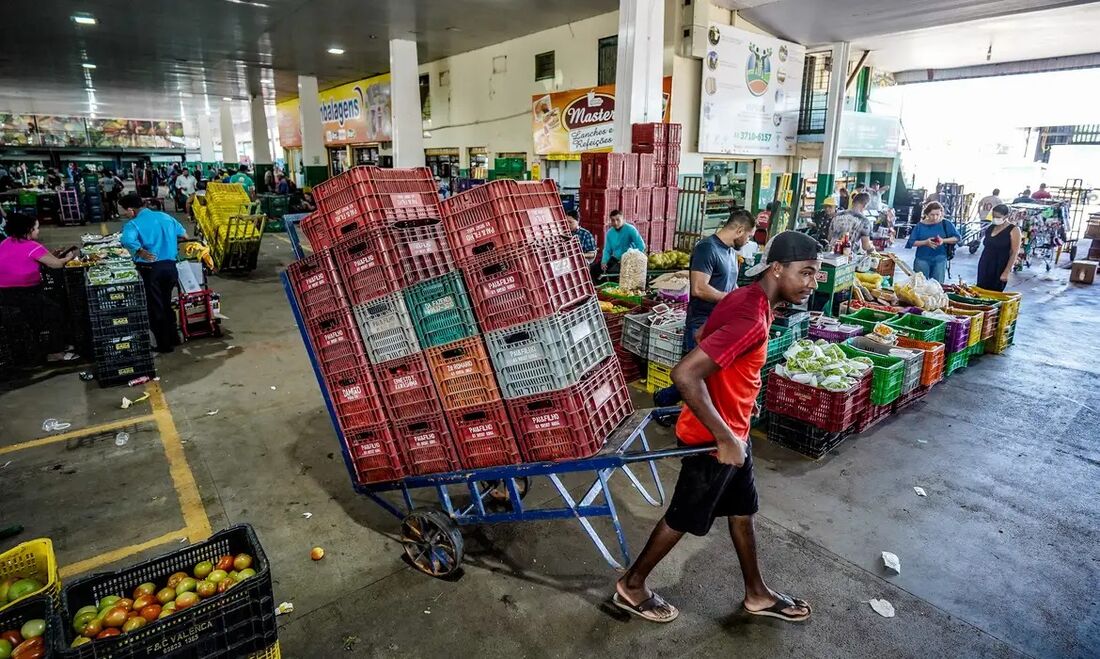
707	489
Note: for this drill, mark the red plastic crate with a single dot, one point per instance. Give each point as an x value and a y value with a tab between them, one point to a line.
399	195
642	203
631	365
672	154
365	263
527	281
335	339
426	444
315	228
574	422
672	176
658	204
630	170
905	400
832	411
420	252
873	415
656	240
660	158
602	170
643	230
483	436
651	133
375	454
463	374
316	284
645	147
345	211
355	398
674	133
503	213
406	387
672	203
597	204
647	170
628	201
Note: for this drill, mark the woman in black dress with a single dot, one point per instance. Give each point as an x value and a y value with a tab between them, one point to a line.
999	250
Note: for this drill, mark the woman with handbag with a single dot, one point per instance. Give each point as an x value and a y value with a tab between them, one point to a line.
935	239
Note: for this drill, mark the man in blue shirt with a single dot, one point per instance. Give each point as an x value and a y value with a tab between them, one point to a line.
620	237
153	238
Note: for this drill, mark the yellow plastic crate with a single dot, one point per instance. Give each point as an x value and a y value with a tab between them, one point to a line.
1010	303
977	322
33	559
658	377
272	652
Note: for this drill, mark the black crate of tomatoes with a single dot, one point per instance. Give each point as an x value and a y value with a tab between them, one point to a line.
212	599
27	629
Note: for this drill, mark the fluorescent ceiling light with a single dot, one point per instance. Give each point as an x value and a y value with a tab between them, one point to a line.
84	19
88	65
336	51
226	98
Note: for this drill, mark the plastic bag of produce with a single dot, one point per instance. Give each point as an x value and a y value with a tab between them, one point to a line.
632	270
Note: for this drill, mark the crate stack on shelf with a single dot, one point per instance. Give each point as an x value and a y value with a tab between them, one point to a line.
119	322
659	143
546	336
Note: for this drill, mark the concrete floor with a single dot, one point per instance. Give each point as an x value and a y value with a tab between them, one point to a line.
1001	559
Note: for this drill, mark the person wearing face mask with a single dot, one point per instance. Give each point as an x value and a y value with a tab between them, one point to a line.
935	239
1000	247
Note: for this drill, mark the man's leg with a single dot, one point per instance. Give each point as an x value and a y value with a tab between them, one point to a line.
166	279
757	594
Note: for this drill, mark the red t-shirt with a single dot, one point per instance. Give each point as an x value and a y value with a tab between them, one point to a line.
736	338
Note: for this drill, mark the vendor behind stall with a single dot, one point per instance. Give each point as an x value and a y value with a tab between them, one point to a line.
620	237
21	257
153	238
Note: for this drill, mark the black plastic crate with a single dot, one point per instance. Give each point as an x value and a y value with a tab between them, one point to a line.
122	350
119	323
236	623
803	437
114	374
116	297
34	608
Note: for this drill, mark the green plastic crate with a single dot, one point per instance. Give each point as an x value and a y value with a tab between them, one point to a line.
921	328
835	278
440	310
779	340
603	293
867	318
957	360
888	374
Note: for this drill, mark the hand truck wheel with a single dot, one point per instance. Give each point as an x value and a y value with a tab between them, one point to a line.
498	497
432	542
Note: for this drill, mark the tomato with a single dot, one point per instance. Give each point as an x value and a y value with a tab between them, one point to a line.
144	601
225	563
137	622
242	561
246	573
166	595
82	619
217	575
151	612
165	612
186	600
33	628
224	584
146	588
32	648
176	578
203	569
170	606
23	587
13	637
206	588
108	602
106	633
5	585
93	628
186	585
116	617
5	648
124	603
80	640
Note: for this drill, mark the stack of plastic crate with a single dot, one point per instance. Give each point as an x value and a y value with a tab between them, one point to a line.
93	198
659	147
604	188
225	218
533	297
119	322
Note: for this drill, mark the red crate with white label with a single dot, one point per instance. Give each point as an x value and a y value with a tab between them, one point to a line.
642	201
597	204
502	213
628	199
366	268
602	170
355	398
672	203
647	170
630	170
419	252
316	283
426	444
365	197
658	204
406	385
525	282
463	373
315	227
335	339
483	436
375	454
574	422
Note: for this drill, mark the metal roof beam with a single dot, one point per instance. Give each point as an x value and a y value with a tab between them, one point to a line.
1066	63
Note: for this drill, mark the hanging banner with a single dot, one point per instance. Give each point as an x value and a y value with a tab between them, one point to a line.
290	124
580	120
358	112
18	129
62	131
751	89
135	134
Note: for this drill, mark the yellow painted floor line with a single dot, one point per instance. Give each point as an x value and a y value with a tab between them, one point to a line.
286	240
194	513
78	433
114	555
103	228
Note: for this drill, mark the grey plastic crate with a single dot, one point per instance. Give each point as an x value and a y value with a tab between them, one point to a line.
636	333
386	328
550	353
913	364
666	343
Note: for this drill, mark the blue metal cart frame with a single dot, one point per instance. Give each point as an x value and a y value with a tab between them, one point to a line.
431	538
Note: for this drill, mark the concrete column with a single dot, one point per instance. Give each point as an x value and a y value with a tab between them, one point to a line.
206	140
830	150
229	138
408	128
261	143
639	68
314	156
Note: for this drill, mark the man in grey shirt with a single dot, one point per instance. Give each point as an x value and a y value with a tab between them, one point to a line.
854	223
713	271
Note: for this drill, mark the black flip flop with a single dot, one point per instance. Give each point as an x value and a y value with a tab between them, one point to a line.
646	610
783	601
